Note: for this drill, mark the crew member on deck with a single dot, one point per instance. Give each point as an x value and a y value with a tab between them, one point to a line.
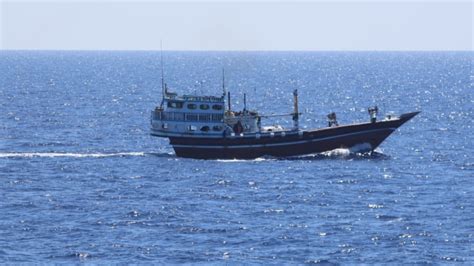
373	113
238	128
332	120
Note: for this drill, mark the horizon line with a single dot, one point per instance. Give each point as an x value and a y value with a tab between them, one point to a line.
229	50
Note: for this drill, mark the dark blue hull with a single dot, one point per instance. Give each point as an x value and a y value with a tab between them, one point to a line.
365	136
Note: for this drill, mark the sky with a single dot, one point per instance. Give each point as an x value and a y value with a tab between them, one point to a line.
236	25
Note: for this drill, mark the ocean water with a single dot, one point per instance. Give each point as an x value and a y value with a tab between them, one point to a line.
81	180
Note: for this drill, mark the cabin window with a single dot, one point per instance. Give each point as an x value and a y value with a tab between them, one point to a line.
157	113
191	106
217	128
217	117
205	128
205	118
192	128
178	116
204	106
191	117
175	105
217	107
172	116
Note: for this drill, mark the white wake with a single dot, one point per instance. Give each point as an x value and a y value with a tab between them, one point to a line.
358	148
67	154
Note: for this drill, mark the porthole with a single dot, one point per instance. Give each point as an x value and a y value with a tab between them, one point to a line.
205	128
191	106
204	106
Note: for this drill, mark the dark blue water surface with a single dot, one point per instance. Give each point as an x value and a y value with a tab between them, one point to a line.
82	180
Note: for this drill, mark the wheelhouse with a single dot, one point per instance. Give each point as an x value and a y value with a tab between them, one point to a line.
189	114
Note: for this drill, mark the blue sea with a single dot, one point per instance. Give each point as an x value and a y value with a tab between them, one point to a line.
81	179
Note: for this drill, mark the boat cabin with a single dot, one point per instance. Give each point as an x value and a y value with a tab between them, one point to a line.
200	116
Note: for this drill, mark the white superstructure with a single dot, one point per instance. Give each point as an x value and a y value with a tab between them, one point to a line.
200	116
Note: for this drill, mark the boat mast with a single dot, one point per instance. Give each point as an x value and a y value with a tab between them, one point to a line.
223	82
245	102
295	111
224	91
163	92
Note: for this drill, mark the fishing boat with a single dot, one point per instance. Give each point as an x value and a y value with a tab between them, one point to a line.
205	127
